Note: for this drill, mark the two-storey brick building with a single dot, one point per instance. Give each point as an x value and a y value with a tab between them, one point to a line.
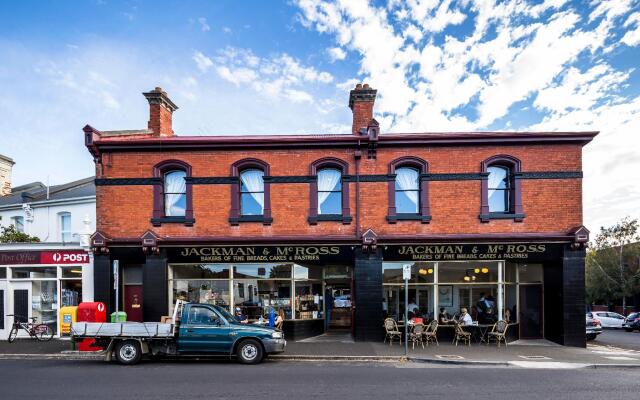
318	227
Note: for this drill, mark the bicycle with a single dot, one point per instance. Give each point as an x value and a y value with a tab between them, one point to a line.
41	332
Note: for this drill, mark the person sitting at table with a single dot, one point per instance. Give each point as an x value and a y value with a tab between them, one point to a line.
507	315
444	317
474	313
279	319
417	317
464	318
240	317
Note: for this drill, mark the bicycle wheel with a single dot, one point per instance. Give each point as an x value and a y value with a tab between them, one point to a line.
43	332
13	334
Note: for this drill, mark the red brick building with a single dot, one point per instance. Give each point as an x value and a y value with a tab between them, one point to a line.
319	226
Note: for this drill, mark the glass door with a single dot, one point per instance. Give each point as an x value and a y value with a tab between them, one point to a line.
531	311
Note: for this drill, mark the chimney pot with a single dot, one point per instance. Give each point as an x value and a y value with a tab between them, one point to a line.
161	110
6	167
361	101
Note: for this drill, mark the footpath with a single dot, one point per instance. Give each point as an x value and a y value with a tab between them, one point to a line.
523	354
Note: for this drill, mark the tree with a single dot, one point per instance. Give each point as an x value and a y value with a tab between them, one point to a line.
612	267
9	234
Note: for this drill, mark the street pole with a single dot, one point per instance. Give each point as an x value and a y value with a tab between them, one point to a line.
406	275
116	265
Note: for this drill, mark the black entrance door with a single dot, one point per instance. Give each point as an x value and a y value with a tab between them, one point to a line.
531	311
21	305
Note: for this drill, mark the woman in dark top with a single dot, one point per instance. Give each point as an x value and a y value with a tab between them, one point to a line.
443	317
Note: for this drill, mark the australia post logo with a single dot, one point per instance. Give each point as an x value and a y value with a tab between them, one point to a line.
64	257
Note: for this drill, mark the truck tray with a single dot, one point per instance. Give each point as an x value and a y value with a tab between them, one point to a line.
121	329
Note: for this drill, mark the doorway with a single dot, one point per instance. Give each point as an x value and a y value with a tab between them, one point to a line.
338	305
531	326
132	293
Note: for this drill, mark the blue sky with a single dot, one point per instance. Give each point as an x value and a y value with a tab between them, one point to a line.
264	67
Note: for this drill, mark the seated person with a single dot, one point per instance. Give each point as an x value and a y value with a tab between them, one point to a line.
464	318
417	318
444	317
279	319
240	317
507	315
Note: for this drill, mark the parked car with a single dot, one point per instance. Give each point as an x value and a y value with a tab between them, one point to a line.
608	319
594	328
195	329
632	322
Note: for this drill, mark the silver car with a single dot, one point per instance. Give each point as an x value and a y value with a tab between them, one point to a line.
594	327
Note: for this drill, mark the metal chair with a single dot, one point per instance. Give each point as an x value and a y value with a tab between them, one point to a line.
416	335
391	331
461	335
498	333
430	335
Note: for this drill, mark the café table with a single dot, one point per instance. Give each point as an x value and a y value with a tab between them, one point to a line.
478	331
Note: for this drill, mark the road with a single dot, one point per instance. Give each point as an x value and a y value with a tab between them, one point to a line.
619	338
96	380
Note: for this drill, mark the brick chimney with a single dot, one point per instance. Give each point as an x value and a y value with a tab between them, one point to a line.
6	165
361	101
161	109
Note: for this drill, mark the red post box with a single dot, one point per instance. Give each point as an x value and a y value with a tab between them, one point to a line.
91	312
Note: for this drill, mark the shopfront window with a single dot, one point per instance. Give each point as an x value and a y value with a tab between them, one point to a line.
530	273
72	272
262	271
44	303
3	273
257	298
202	291
71	292
201	271
34	272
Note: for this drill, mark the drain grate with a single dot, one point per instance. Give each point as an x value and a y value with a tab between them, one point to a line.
535	357
449	357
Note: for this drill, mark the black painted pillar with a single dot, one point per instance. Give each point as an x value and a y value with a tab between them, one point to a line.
155	292
103	282
573	297
368	296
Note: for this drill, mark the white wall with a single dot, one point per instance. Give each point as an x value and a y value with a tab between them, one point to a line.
46	218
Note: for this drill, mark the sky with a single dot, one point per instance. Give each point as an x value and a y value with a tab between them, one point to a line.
268	67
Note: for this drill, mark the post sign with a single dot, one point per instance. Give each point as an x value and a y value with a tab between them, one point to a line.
44	257
249	254
532	252
406	272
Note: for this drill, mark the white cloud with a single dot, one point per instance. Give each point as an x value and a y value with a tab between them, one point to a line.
470	65
203	62
280	76
203	24
226	29
336	54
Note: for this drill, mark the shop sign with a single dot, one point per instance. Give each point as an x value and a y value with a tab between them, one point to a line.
43	257
485	251
242	254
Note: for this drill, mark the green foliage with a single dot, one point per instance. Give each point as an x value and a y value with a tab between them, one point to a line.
612	264
9	234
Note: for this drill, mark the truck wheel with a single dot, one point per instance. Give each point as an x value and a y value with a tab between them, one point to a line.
249	352
128	352
591	337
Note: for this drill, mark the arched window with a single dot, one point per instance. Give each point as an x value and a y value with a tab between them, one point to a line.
250	197
175	193
501	195
172	193
329	191
499	187
252	192
408	190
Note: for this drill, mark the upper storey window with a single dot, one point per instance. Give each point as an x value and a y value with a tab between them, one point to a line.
175	194
500	192
407	191
329	191
172	193
252	192
499	187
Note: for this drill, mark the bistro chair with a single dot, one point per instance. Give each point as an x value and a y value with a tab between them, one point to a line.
430	335
498	333
391	331
462	335
416	335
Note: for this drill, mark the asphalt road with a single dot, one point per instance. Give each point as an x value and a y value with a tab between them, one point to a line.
96	380
619	338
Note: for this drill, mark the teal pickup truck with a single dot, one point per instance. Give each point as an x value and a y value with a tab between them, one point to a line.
195	329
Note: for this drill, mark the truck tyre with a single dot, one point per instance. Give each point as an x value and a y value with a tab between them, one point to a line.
249	351
591	336
128	352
